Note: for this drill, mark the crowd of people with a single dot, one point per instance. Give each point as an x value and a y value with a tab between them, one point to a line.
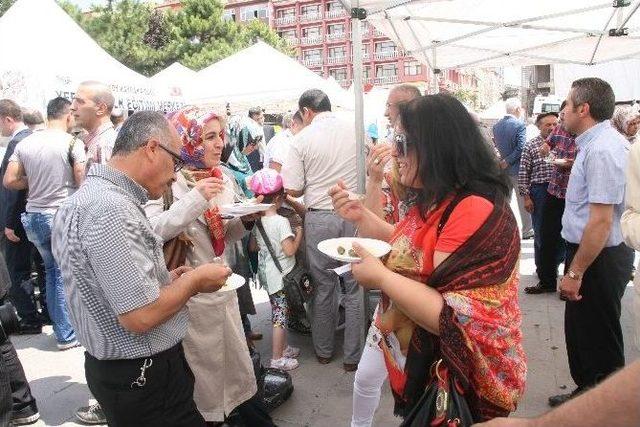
122	219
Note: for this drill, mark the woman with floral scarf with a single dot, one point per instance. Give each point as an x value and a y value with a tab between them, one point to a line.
626	119
450	283
215	346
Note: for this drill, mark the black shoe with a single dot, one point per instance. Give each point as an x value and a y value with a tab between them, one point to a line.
540	288
25	416
29	328
559	399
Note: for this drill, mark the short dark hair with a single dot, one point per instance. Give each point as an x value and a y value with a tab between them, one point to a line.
255	111
452	154
58	107
564	104
315	100
137	130
9	108
32	117
543	115
598	94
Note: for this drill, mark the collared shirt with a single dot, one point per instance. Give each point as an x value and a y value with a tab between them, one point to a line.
597	176
18	130
533	168
112	263
322	154
563	146
278	148
100	143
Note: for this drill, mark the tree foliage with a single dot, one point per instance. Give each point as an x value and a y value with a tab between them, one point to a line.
5	5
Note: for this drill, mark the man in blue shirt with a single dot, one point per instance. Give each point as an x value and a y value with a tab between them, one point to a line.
598	262
510	135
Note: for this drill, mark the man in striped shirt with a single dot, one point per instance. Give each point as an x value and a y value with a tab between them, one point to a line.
534	176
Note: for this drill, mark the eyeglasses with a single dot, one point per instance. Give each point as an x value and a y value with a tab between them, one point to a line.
178	163
402	143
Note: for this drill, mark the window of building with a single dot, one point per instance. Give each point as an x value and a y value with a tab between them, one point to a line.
412	68
286	13
229	15
385	47
312	54
387	70
311	32
287	34
254	12
366	72
338	73
337	52
334	6
335	29
310	9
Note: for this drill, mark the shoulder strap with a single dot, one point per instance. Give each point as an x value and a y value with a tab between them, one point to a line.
167	199
263	233
72	145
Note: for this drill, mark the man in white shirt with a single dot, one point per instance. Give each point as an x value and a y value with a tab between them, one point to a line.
323	153
91	109
51	164
278	148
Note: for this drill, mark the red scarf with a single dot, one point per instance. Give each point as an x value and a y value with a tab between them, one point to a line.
212	215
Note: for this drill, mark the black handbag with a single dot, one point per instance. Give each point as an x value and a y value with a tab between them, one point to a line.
297	284
442	404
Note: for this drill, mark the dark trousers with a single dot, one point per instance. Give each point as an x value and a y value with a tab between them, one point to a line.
18	257
552	244
12	373
251	413
592	325
166	399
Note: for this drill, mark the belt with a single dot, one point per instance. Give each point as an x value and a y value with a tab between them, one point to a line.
319	210
165	354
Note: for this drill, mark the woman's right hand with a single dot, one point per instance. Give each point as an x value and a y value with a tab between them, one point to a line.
210	187
377	159
210	277
351	210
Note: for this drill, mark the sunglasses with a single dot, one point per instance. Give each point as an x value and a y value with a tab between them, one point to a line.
178	163
401	143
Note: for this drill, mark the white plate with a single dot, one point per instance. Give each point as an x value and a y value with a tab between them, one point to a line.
233	282
242	209
377	248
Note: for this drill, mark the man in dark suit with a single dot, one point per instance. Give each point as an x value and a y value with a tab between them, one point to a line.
17	248
510	135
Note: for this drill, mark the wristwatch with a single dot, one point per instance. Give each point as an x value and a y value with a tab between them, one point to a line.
574	276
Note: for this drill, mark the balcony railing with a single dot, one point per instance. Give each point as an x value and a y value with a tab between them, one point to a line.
306	17
336	36
377	33
285	20
292	41
332	60
335	14
312	62
386	80
391	54
311	40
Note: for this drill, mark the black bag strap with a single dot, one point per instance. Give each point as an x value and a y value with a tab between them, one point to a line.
263	233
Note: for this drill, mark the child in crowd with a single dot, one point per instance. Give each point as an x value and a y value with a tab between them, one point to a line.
274	230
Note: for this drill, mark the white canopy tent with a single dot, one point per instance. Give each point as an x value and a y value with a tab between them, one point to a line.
261	75
35	68
624	77
175	81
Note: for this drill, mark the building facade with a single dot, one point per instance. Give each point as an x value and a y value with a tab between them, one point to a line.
319	31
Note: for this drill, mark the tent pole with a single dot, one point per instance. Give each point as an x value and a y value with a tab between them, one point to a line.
434	73
357	15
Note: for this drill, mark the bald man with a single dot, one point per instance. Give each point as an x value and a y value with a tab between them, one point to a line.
91	108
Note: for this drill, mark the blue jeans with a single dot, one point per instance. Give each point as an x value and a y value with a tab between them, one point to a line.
38	229
538	194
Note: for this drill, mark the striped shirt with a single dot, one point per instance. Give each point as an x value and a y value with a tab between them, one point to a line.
533	168
112	263
563	145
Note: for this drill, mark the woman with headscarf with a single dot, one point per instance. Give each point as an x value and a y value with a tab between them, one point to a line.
215	346
626	119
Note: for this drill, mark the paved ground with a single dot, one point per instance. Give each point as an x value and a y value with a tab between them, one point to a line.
322	395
